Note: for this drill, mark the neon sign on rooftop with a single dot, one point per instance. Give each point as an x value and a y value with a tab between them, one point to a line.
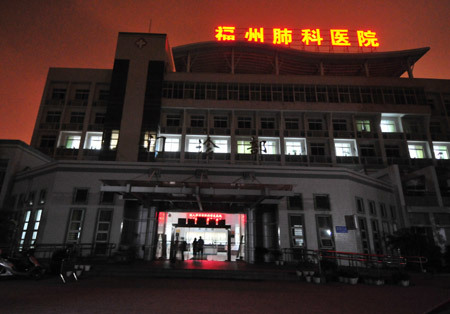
304	37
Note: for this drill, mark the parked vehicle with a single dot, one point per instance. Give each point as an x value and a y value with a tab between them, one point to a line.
25	266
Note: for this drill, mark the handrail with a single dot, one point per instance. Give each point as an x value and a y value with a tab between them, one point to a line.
46	250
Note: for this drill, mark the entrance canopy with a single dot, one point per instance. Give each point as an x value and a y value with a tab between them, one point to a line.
199	196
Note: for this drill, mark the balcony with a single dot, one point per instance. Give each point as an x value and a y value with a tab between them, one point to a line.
201	157
167	156
372	160
343	134
49	126
294	133
320	159
440	136
393	136
296	159
245	132
171	130
66	153
78	103
366	135
347	160
416	136
100	103
270	158
72	126
398	160
54	102
319	133
266	132
91	154
219	131
421	162
196	130
95	127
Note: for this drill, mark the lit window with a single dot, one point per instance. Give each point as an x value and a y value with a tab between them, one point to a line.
37	221
417	150
93	140
345	148
222	145
295	147
172	144
114	139
243	147
72	141
149	141
194	145
440	150
269	147
363	125
388	126
75	225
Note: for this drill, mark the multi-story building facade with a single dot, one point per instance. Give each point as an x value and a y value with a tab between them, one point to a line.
247	146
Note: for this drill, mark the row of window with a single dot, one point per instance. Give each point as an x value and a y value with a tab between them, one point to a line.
361	209
75	117
80	94
294	92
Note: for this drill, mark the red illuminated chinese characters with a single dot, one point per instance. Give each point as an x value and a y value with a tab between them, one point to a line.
225	33
339	37
253	34
367	39
208	217
282	36
311	35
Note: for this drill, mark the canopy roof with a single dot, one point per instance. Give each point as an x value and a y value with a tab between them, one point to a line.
251	58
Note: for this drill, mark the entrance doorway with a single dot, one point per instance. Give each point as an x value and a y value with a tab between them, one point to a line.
223	235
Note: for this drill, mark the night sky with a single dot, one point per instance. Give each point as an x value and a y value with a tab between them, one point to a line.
36	35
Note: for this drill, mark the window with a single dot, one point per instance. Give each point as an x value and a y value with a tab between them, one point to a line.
47	141
59	93
222	145
221	122
315	124
297	231
364	235
376	237
267	123
172	144
99	118
325	231
149	141
195	144
321	202
197	121
114	139
107	198
442	219
243	147
244	122
295	202
317	149
26	223
345	148
417	150
363	125
339	125
388	126
189	89
367	150
80	196
359	205
383	210
291	123
393	212
441	150
93	140
82	94
30	200
103	94
76	117
372	208
72	141
53	117
75	225
42	196
102	231
172	120
295	147
269	146
392	150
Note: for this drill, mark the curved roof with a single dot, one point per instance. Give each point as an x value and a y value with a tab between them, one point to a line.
251	58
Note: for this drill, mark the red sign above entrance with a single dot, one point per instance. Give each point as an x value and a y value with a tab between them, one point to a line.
208	216
303	38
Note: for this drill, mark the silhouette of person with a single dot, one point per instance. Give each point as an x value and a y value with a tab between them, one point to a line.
200	244
183	246
194	247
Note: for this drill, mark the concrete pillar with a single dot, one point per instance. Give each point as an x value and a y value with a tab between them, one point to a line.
250	247
150	234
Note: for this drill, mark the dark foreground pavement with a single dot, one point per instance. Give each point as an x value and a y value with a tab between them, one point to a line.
176	295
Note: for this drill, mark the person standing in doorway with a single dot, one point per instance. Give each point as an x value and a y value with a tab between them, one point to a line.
200	244
194	247
183	246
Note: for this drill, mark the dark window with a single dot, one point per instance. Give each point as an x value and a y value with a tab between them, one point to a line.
53	117
296	202
393	212
288	93
367	150
42	196
103	94
266	92
392	151
315	124
359	205
30	200
339	125
267	123
325	231
80	196
244	122
244	92
197	121
322	202
220	122
99	118
173	120
372	208
383	210
321	94
59	93
200	91
222	91
255	92
47	141
435	127
76	117
291	123
107	198
82	94
317	149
